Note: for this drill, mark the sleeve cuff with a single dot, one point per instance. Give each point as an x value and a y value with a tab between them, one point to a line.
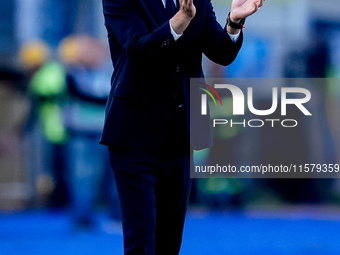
176	36
234	38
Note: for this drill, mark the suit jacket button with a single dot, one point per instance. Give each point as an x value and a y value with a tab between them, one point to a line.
178	69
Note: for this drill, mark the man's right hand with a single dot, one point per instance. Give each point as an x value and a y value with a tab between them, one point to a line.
188	8
182	18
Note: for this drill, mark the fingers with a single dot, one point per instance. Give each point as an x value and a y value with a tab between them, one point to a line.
186	3
188	8
257	5
260	3
183	2
245	8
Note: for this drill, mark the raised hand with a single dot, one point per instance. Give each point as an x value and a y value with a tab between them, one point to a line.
183	17
241	9
188	8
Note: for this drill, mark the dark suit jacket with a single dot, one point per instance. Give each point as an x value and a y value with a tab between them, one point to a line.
148	62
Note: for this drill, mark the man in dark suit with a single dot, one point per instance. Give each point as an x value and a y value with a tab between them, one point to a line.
156	47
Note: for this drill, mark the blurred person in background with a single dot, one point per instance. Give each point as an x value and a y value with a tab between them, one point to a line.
88	72
14	111
46	131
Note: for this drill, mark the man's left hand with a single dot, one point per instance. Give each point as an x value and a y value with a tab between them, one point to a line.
241	9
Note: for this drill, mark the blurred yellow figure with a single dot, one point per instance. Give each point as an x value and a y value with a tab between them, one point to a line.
34	54
47	88
69	50
82	50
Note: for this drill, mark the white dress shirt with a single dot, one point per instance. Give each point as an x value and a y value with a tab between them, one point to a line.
234	38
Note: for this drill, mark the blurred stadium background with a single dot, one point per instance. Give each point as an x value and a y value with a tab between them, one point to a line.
56	189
